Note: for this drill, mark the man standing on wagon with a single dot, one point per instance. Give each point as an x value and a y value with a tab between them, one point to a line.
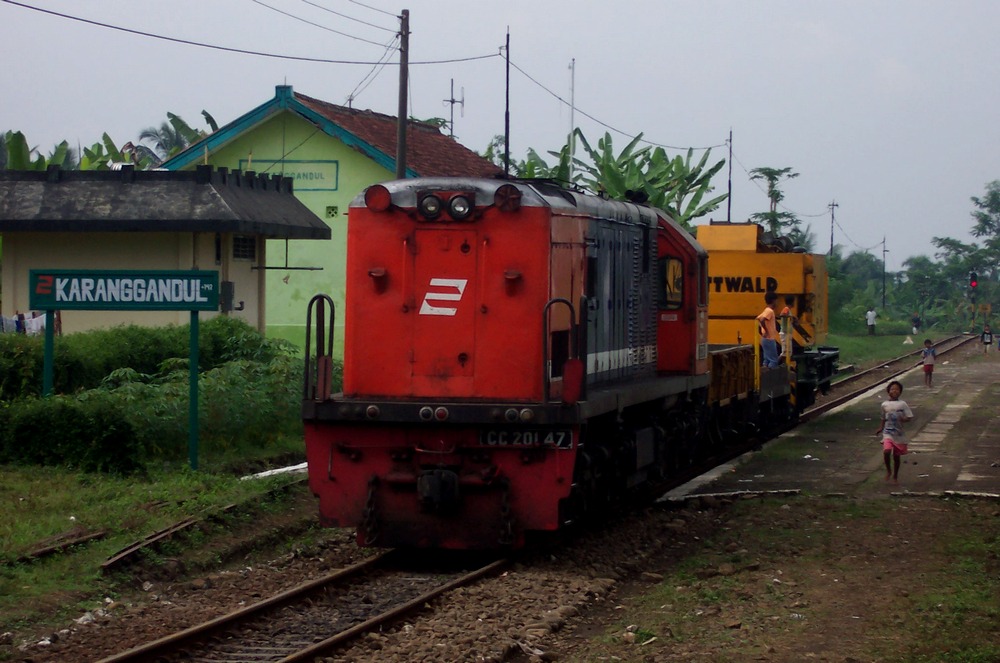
769	331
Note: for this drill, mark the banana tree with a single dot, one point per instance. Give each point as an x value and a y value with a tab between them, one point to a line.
100	156
536	167
172	137
685	186
650	175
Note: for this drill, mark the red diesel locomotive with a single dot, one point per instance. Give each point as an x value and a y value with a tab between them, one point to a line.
516	354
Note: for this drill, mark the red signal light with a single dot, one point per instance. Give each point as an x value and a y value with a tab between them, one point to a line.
973	279
378	198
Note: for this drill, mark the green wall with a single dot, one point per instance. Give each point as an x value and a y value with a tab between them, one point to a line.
328	175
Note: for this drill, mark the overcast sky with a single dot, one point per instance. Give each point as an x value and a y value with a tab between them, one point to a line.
889	108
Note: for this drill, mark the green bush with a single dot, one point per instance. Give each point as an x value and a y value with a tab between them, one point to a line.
69	433
127	394
83	360
20	366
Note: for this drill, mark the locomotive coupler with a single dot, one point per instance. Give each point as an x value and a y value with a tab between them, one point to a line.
438	490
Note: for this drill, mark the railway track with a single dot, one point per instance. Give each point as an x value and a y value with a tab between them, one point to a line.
314	617
855	384
319	616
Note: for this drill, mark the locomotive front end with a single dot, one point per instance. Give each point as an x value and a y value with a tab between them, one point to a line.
450	431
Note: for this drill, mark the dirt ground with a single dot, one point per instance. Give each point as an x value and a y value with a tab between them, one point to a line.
852	567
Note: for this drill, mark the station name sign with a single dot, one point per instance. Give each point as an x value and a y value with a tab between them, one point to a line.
62	289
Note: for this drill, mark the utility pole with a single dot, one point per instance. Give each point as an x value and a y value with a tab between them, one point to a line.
452	100
729	198
404	63
572	121
506	112
884	251
832	206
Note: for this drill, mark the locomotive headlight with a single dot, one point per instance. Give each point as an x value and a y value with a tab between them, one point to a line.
526	415
459	208
372	412
430	206
511	415
426	413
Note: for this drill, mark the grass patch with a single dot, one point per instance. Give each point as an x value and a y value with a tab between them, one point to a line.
867	351
961	599
37	504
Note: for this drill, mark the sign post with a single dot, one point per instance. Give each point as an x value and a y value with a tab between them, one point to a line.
127	290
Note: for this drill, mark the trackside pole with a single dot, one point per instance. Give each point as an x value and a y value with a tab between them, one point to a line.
193	389
48	359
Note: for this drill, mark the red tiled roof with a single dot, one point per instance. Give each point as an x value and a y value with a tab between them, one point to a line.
428	152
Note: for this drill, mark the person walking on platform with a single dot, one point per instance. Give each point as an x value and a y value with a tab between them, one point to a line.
987	338
927	357
894	443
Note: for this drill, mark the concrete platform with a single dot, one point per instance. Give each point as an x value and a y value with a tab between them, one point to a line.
954	441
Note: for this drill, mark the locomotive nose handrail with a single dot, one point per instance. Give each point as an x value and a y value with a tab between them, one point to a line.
320	388
573	341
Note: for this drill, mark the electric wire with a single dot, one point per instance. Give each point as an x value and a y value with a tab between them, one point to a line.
315	25
349	18
603	124
373	73
242	51
383	61
374	9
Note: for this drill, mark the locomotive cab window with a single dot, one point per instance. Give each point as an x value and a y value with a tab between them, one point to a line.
672	282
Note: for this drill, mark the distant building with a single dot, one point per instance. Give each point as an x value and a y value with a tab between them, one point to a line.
332	153
146	220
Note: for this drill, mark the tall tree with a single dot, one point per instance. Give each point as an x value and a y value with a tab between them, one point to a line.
987	228
779	223
172	137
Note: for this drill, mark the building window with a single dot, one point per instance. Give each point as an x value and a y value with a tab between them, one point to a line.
244	248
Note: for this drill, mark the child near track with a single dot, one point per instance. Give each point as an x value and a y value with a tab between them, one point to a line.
894	443
927	357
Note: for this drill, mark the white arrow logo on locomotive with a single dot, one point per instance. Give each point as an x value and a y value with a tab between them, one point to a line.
445	295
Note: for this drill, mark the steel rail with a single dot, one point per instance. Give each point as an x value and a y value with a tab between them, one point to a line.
166	646
412	604
174	640
950	344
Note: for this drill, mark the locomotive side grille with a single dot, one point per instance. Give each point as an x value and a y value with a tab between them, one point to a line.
622	318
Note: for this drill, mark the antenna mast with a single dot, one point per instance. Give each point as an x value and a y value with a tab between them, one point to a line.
452	100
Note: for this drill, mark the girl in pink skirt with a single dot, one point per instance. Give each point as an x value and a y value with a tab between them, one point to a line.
894	413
